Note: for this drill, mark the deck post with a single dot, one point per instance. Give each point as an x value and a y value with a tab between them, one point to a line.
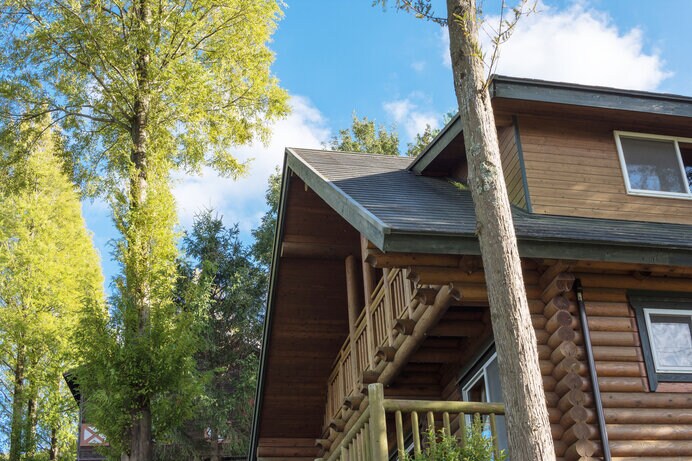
378	423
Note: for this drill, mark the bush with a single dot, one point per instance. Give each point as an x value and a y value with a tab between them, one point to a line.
443	447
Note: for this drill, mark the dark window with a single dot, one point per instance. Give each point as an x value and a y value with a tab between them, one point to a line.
665	331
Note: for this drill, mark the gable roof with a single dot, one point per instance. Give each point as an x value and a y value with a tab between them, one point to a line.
400	211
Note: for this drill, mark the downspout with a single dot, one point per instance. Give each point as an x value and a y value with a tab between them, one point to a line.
578	290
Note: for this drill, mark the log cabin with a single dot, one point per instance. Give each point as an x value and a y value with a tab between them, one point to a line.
378	322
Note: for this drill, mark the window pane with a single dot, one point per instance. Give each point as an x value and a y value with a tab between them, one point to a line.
672	341
686	152
653	165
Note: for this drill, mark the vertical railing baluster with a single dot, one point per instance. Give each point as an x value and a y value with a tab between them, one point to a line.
462	428
493	434
388	307
431	421
446	425
400	435
370	335
344	453
416	432
366	432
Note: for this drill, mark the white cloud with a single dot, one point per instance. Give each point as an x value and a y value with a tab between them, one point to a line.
444	47
418	66
242	201
408	114
578	45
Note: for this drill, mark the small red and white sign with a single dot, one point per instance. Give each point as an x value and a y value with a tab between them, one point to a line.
90	437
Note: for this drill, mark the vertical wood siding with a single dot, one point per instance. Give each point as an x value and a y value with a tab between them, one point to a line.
573	169
511	166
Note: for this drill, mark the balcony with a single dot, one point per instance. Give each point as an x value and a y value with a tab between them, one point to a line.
371	438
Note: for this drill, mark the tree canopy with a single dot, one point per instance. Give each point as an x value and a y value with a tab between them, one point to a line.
48	270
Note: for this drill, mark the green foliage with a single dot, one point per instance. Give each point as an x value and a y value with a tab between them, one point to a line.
442	447
263	245
207	78
220	273
141	89
48	270
365	136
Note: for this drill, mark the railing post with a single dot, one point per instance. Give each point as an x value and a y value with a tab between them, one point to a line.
388	306
378	423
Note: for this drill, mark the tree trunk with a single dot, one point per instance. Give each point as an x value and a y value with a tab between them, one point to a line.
17	406
31	422
515	340
54	450
141	445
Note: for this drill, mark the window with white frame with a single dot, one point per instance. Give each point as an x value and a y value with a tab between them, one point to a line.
665	332
656	165
483	385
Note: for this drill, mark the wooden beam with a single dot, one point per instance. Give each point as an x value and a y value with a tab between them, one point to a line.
390	260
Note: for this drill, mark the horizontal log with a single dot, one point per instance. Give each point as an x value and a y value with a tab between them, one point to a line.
569	365
404	326
553	270
561	283
559	319
612	324
390	260
581	449
601	309
554	415
557	303
551	400
426	296
617	354
431	275
629	282
651	448
570	382
573	398
622	369
578	414
544	352
386	353
562	351
614	338
648	416
646	400
580	431
649	432
618	384
561	335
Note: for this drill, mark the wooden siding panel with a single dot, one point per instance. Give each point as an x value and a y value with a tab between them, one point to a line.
511	166
573	169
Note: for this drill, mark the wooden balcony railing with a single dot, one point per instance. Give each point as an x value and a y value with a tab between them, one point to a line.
368	438
391	301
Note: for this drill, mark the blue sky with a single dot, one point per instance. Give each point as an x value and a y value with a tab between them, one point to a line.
340	57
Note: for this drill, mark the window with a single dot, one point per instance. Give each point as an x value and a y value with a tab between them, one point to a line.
656	165
665	332
482	384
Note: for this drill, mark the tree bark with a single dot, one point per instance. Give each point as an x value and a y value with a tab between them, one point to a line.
141	445
17	406
54	450
515	340
31	423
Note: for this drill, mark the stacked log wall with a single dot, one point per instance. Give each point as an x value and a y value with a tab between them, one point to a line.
641	424
564	368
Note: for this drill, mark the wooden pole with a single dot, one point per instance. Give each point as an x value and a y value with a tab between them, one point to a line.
353	311
368	271
378	423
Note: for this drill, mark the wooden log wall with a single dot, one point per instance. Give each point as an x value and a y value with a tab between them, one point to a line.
641	424
565	372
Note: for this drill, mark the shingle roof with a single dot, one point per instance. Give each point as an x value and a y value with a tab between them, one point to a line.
381	191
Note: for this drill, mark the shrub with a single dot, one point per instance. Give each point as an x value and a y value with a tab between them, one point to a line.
442	447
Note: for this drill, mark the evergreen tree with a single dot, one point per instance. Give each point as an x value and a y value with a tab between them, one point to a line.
365	136
220	271
48	270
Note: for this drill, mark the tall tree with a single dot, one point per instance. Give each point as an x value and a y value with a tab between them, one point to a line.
48	269
527	417
142	88
220	267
